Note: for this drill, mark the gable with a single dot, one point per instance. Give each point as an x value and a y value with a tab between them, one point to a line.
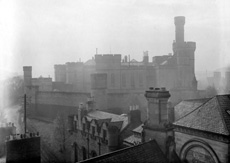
207	117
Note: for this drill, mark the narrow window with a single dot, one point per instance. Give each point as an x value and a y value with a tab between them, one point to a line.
93	130
104	134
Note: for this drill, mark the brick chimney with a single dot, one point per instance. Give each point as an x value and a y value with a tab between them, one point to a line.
134	114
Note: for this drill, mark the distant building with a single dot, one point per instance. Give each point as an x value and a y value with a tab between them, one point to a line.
202	134
116	82
97	132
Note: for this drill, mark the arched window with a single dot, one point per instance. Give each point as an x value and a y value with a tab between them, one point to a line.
84	153
93	153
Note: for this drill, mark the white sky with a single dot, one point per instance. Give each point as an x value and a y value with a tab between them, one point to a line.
42	33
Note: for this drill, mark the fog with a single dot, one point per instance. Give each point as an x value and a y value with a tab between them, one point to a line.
43	33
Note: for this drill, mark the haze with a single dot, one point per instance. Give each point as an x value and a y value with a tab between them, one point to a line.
42	33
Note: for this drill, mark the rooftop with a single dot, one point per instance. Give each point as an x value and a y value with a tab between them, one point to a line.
186	106
146	152
212	116
109	117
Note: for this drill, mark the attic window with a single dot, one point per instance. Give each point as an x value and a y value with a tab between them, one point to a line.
228	111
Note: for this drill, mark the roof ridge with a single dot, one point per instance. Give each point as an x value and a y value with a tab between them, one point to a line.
193	110
221	114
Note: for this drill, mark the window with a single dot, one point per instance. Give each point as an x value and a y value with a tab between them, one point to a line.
112	80
104	134
132	80
93	130
93	153
123	80
141	80
84	153
83	127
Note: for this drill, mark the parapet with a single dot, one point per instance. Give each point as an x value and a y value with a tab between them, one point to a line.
191	45
107	58
27	68
22	136
60	67
157	93
179	20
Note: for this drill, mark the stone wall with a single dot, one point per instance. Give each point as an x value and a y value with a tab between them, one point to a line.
48	104
220	148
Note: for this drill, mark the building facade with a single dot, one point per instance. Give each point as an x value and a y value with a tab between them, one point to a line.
202	134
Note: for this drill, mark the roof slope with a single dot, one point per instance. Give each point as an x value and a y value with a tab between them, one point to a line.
120	121
212	116
146	152
186	106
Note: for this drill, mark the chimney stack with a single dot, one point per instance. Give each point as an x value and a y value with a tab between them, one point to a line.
157	105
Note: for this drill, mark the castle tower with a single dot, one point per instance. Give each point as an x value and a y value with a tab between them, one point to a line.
157	126
185	58
60	73
179	22
27	77
99	90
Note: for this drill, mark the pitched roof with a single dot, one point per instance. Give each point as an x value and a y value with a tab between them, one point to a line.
211	116
100	115
133	140
146	152
186	106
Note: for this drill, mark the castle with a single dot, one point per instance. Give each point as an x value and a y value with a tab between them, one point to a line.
116	82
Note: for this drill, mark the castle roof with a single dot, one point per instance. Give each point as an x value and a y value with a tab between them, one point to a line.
212	116
120	121
146	152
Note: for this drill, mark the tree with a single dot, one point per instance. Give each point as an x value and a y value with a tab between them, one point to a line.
61	133
13	90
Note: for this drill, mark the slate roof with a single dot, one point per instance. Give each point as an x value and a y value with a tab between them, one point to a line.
122	121
132	139
212	116
186	106
146	152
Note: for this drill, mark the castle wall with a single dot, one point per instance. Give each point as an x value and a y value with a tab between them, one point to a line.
166	77
48	104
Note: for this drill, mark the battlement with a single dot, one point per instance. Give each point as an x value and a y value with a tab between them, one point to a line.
157	93
70	64
27	68
179	20
107	58
190	45
60	67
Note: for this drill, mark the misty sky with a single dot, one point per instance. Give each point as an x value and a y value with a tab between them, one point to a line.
41	33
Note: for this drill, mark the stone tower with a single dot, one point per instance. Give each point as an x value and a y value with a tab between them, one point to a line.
157	125
184	53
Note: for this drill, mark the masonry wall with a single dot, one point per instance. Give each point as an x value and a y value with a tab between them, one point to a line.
23	150
82	141
220	148
48	104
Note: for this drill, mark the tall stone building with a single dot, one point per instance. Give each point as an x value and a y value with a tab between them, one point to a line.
128	79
